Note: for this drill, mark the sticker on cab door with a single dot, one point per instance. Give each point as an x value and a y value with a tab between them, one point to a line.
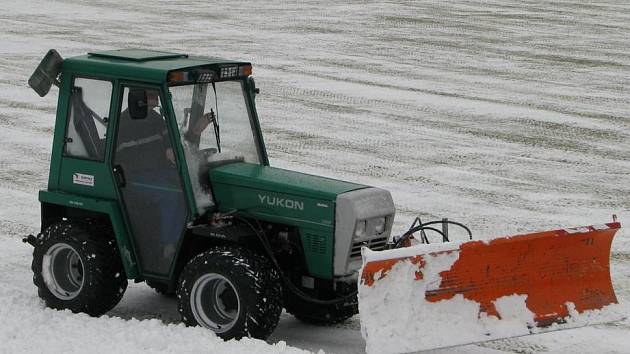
83	179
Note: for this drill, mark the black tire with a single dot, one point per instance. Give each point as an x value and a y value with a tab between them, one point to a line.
321	315
160	288
245	283
77	269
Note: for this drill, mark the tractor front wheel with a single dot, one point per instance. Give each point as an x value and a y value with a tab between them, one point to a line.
232	291
77	267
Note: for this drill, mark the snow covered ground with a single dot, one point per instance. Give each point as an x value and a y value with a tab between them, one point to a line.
510	116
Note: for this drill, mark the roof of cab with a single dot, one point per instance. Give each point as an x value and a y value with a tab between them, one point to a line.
136	64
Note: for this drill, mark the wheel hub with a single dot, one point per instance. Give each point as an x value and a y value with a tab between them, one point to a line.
63	271
214	302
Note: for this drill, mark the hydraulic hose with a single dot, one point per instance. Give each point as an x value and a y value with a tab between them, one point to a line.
425	226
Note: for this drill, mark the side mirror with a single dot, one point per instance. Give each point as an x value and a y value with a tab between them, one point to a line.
45	75
252	86
137	103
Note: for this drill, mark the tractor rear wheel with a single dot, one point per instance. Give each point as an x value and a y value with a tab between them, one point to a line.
77	267
232	291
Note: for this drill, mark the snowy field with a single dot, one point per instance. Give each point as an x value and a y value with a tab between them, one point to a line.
510	116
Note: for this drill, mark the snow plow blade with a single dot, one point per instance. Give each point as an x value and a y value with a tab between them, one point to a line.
441	295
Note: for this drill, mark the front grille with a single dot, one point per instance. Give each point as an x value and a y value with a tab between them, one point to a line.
315	243
377	243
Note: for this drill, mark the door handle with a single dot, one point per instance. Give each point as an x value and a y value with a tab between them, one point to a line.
119	175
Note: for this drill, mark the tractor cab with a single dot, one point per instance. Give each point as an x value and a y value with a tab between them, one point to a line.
152	123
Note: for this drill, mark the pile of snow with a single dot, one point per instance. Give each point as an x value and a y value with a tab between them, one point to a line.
397	318
34	328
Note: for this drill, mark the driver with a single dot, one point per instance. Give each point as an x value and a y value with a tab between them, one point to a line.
148	136
145	153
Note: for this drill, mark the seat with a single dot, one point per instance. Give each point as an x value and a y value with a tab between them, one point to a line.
83	119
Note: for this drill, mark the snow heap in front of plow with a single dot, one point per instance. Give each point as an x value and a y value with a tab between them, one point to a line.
397	318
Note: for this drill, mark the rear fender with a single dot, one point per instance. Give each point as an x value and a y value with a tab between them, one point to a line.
58	205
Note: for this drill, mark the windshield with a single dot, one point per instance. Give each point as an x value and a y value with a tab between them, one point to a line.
215	127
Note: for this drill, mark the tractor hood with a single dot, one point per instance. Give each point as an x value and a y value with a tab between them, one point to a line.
271	179
325	210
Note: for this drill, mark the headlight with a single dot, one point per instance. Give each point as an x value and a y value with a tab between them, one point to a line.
379	225
359	230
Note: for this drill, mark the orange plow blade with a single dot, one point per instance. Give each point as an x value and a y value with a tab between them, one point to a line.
440	295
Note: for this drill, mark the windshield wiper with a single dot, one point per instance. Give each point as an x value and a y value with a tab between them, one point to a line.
215	121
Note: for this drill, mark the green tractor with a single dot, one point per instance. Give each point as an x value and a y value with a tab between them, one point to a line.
159	173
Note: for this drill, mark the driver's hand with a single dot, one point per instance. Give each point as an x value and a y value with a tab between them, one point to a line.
202	124
209	116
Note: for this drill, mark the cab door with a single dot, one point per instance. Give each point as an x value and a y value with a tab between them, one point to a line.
145	167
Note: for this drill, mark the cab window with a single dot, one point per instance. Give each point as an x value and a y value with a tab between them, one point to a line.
87	118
